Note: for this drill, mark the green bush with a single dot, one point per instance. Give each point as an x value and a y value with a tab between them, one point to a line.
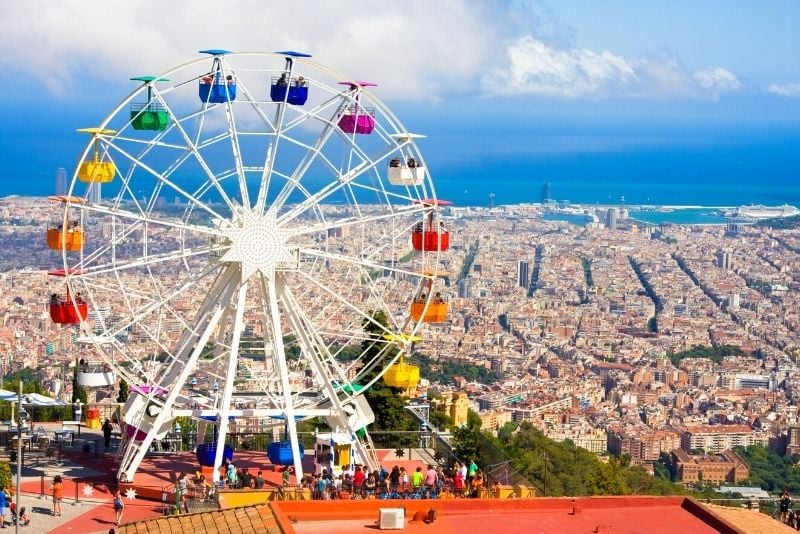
6	480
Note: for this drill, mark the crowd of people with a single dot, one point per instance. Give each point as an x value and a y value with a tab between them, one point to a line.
462	480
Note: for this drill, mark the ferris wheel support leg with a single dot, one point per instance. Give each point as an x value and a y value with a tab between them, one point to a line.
227	393
306	334
273	287
221	296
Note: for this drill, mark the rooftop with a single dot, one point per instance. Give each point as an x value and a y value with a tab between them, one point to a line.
610	515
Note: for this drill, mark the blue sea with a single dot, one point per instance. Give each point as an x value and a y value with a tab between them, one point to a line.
596	160
708	167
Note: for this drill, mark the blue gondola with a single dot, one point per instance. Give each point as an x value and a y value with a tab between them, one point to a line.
207	453
216	87
280	453
287	87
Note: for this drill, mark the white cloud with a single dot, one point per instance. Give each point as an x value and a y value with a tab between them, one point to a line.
533	67
414	49
717	80
791	90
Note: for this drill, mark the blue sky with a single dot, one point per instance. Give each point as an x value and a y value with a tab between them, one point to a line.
488	73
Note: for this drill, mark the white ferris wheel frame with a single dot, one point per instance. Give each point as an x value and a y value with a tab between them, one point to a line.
241	222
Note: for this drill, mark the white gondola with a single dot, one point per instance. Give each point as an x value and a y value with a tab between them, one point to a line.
406	171
96	375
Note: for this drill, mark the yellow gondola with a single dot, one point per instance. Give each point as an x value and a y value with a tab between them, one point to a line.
402	375
96	170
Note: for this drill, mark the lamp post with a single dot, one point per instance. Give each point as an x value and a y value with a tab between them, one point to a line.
19	455
545	457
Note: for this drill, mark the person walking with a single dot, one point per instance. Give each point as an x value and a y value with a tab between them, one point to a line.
107	430
119	506
57	487
180	494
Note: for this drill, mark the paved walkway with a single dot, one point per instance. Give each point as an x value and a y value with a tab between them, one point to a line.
88	477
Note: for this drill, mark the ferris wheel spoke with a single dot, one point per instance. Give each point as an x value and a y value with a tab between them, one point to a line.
311	155
193	150
310	338
263	186
217	300
146	261
237	155
332	188
166	181
138	313
324	365
393	212
344	302
365	263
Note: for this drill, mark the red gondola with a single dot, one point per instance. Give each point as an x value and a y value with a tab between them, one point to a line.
67	310
431	235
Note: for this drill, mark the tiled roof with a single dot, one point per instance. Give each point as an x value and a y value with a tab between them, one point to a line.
243	520
750	521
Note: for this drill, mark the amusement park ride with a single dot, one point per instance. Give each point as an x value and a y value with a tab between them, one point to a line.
220	253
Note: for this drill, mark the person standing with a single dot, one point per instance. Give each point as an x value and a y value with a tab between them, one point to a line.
231	475
784	504
77	409
107	430
416	480
430	482
287	471
471	470
3	507
57	487
118	506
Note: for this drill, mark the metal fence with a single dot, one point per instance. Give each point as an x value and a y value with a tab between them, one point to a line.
499	467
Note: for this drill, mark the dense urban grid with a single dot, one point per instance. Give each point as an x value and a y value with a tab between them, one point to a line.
625	338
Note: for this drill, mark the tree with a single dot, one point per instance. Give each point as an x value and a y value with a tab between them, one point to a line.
441	420
507	430
465	438
386	402
78	393
6	479
123	391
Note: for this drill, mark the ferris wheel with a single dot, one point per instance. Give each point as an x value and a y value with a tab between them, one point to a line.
249	237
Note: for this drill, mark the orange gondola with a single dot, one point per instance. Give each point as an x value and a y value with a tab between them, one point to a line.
429	308
69	238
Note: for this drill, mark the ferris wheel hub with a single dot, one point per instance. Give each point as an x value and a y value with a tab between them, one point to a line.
258	244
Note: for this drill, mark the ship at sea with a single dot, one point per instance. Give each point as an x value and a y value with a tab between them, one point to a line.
757	211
